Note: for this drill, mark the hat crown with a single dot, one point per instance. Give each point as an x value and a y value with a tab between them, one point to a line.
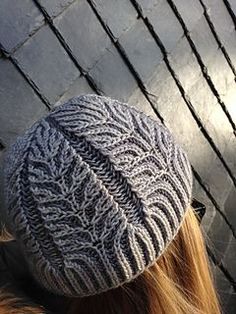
95	190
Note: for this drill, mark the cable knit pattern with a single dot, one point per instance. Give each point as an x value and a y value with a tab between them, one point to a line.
95	190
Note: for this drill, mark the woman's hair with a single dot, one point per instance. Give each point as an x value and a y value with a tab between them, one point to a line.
180	282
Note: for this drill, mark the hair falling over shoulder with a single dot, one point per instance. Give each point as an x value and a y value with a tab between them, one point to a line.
180	282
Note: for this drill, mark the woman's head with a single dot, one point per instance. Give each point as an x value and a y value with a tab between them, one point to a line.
96	191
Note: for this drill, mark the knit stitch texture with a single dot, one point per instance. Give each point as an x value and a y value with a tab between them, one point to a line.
95	191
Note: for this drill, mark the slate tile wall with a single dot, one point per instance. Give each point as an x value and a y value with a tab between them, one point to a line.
173	59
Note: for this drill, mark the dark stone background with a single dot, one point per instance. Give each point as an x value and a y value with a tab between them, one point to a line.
174	59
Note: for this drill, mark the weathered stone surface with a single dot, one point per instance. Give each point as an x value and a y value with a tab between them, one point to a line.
231	47
202	98
230	100
223	25
220	73
220	18
230	258
46	63
54	7
18	20
112	76
185	64
138	100
218	180
125	15
190	11
141	50
164	92
221	131
163	20
220	236
79	87
20	106
83	33
230	206
231	302
204	40
223	286
180	120
232	5
230	154
201	196
164	23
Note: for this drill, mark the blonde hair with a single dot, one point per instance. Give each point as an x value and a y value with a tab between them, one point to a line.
180	282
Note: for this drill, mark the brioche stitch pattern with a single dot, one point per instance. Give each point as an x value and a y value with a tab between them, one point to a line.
96	190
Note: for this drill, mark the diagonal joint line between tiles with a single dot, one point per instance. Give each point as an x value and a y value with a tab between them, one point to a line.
230	11
182	91
65	46
220	44
201	64
124	56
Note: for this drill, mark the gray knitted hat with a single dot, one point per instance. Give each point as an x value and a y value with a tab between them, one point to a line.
95	192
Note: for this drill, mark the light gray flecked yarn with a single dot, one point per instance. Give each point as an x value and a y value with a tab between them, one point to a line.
95	191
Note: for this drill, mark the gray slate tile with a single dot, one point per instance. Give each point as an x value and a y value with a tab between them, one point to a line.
18	20
224	288
165	94
180	120
118	15
231	302
185	64
204	40
201	195
20	106
230	206
165	24
220	236
44	60
202	98
230	46
232	5
220	18
230	258
138	100
218	180
230	154
230	99
147	5
223	25
141	50
55	7
112	76
220	73
83	33
221	132
79	87
190	11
